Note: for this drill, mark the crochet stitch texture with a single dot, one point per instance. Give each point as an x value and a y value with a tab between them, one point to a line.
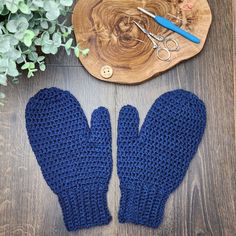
75	160
152	163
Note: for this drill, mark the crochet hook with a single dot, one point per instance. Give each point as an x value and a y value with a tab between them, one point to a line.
171	26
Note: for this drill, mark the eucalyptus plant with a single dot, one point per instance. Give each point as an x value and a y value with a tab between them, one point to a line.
30	29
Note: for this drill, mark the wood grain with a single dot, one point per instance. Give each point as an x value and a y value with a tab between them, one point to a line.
205	202
114	39
234	59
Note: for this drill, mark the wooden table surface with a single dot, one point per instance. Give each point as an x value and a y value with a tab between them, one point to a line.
204	204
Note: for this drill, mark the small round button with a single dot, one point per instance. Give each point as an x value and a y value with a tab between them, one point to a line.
106	72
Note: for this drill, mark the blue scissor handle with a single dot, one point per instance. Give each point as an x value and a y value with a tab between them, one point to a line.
169	25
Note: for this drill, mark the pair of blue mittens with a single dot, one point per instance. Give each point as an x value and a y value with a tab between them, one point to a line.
76	160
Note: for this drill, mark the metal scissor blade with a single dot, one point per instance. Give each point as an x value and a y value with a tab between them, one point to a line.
146	12
141	28
159	38
148	34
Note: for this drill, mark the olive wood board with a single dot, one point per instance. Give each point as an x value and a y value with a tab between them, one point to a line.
107	28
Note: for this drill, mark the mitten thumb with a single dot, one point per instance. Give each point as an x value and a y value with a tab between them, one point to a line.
101	125
128	125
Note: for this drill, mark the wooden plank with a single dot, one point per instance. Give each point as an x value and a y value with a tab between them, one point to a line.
234	59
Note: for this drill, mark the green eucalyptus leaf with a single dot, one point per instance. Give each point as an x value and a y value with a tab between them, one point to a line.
77	51
33	8
44	24
51	29
12	5
3	65
52	9
29	35
12	70
4	44
41	58
85	52
50	5
54	50
24	8
38	3
25	66
57	39
66	3
20	59
22	23
31	65
13	41
42	67
46	49
3	69
33	56
69	30
30	17
17	24
68	51
19	35
32	48
30	74
13	54
45	38
38	41
68	44
36	31
53	14
27	41
3	80
11	26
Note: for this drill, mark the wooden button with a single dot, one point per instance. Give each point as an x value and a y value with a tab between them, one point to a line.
106	72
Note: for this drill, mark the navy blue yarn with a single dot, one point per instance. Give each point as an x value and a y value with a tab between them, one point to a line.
76	161
153	162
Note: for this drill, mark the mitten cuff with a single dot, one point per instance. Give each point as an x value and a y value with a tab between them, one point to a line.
84	207
140	204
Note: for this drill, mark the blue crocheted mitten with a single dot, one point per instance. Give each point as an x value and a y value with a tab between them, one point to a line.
152	163
76	161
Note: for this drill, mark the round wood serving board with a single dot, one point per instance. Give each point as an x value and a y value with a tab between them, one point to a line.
106	27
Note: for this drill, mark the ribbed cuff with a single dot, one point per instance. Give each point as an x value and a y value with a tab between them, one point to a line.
84	207
142	205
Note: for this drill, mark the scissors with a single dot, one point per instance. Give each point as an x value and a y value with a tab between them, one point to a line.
166	49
